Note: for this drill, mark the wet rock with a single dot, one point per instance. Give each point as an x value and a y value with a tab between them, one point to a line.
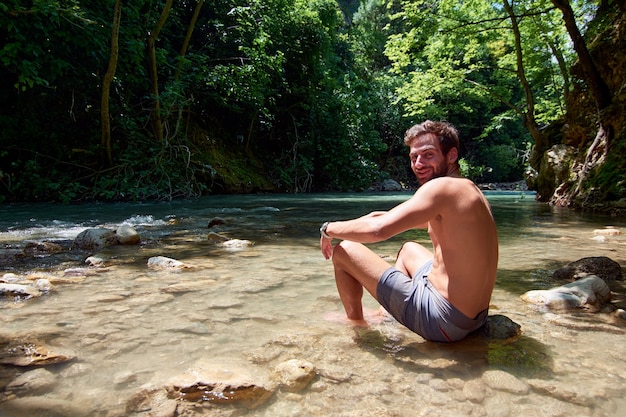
499	327
390	185
31	353
127	235
216	237
607	231
600	266
96	238
216	221
504	381
19	290
32	382
236	243
42	248
225	384
590	292
43	285
162	262
294	374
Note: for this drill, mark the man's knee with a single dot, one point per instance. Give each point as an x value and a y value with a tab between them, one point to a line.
342	251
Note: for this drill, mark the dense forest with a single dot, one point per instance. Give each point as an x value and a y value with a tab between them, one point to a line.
159	99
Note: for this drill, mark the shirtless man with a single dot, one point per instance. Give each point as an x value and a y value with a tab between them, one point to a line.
443	295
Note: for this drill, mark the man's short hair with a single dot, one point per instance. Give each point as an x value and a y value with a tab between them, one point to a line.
446	133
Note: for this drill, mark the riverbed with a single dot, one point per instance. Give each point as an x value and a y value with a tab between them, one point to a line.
254	307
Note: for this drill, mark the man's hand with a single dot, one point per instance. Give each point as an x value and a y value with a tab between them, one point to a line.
327	247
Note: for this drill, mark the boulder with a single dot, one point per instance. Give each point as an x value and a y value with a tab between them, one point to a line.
96	238
390	185
216	221
127	235
499	327
590	292
600	266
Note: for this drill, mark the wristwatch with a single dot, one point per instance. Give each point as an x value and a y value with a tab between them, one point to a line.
323	230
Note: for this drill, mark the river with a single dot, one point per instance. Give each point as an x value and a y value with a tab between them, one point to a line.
256	307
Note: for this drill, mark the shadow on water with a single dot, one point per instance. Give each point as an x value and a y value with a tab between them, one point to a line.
523	357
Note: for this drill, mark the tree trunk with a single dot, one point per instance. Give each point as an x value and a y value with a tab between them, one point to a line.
599	89
154	78
541	142
106	84
183	49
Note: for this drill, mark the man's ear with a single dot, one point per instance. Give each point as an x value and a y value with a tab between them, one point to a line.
453	155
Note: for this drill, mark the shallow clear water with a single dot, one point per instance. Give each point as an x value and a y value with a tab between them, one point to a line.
129	326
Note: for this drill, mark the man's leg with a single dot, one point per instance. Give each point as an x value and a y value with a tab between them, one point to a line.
356	267
411	257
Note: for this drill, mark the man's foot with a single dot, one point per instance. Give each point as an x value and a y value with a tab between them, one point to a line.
370	317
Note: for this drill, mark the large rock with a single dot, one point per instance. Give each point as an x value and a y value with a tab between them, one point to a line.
99	238
499	327
590	292
127	235
390	185
555	169
94	239
600	266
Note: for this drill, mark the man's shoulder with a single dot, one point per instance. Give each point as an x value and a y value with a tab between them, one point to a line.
449	184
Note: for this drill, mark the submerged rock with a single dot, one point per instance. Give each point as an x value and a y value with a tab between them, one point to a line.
294	374
31	353
221	384
589	292
504	381
32	382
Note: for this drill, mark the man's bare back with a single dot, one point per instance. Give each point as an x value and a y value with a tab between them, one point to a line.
465	246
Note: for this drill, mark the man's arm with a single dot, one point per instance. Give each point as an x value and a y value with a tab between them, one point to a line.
425	204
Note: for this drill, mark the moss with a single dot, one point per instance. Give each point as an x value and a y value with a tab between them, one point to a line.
524	358
236	171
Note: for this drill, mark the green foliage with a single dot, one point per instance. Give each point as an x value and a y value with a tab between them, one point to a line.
291	92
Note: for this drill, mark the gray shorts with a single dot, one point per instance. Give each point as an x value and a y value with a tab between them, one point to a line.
417	305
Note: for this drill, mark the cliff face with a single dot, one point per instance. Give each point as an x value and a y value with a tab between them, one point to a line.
586	168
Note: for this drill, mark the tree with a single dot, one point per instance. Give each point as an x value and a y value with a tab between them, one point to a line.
107	80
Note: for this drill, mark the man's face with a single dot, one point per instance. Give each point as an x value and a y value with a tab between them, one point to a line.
427	160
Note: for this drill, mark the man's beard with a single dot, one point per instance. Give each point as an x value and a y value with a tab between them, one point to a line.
439	171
